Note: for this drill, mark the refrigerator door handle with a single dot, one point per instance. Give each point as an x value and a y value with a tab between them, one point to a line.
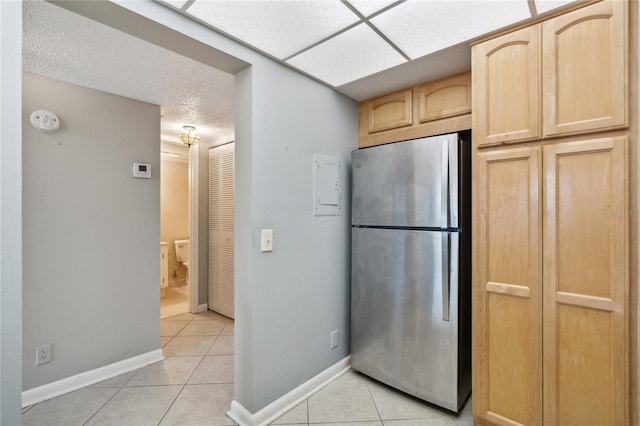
444	181
445	275
453	182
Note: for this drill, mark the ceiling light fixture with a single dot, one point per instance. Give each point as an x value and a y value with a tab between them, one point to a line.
189	138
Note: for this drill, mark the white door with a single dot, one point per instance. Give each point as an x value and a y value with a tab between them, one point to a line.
221	216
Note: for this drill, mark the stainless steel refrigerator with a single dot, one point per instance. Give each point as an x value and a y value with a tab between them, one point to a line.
411	267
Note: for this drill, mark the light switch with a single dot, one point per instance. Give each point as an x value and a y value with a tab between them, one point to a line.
267	240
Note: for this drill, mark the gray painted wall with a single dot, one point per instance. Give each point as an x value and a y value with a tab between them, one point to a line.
287	301
300	291
10	212
91	231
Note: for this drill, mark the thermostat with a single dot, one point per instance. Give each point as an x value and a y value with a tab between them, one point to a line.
142	171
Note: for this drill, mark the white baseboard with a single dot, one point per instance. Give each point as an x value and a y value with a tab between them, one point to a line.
202	308
69	384
277	408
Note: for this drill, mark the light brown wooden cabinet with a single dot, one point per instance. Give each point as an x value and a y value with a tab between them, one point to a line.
390	111
444	98
552	238
567	75
431	108
507	338
586	283
585	69
552	272
507	87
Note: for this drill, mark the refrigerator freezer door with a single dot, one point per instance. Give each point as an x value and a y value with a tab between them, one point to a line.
398	333
403	184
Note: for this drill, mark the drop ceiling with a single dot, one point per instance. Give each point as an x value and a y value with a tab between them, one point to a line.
342	42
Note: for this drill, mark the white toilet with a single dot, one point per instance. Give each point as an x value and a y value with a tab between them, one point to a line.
182	255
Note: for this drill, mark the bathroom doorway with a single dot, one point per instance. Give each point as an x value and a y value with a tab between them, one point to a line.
174	228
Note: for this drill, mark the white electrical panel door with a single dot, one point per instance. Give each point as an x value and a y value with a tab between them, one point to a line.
327	185
221	229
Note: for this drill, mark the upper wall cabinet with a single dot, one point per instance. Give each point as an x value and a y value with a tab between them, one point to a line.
507	87
444	98
585	69
566	75
431	108
390	112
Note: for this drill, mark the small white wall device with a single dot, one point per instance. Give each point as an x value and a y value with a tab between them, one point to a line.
44	121
142	171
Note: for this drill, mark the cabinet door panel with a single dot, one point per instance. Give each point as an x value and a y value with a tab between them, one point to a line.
507	293
444	98
586	70
390	111
586	282
507	87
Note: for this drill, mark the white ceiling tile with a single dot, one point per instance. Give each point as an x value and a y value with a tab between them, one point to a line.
543	6
279	28
369	7
175	3
423	27
347	57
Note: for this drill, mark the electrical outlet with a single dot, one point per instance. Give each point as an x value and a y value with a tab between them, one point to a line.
43	354
334	339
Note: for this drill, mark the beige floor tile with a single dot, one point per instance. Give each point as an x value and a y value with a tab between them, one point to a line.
210	315
214	369
224	345
171	371
175	302
377	423
463	421
187	316
203	328
171	328
465	416
74	408
115	382
188	345
164	340
201	405
297	415
394	405
136	406
420	422
345	400
229	329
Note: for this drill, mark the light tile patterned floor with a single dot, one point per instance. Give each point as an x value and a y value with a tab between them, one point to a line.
175	301
194	386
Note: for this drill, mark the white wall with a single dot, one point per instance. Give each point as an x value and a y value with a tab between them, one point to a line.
91	231
10	212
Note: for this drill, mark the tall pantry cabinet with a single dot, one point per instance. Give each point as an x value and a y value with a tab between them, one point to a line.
551	221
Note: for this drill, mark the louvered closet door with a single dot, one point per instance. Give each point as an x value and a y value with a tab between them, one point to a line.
221	217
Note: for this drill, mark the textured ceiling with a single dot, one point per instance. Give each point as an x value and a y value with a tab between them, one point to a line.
65	46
